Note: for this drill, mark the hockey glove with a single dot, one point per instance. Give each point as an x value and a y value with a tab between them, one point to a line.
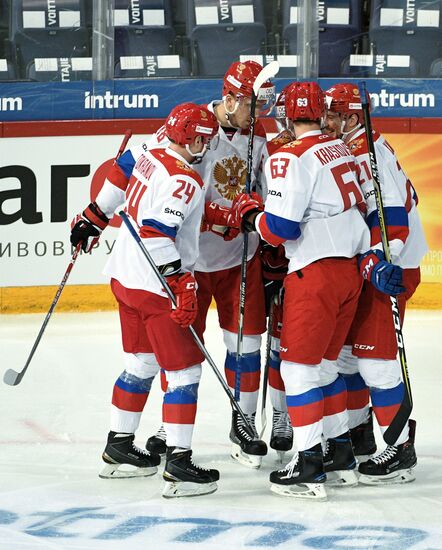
385	277
184	287
274	270
220	221
243	206
86	228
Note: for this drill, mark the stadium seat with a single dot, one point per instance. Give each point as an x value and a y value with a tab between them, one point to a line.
42	29
54	69
413	29
379	66
153	66
143	28
340	29
220	32
7	70
436	69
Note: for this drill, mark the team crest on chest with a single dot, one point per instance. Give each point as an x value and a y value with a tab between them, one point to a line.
230	175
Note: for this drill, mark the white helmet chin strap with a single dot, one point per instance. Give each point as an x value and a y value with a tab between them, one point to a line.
230	113
344	135
197	157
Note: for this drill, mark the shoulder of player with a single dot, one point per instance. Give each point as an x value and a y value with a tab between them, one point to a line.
176	167
278	141
298	147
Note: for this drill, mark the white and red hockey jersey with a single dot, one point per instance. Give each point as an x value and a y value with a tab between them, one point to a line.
224	172
404	229
314	201
164	197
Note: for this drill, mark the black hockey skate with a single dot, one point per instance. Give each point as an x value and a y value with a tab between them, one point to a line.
184	478
303	477
362	438
247	450
157	443
340	462
123	459
282	433
394	465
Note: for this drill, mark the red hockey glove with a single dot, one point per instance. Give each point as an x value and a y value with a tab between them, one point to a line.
220	221
243	205
184	287
86	228
274	270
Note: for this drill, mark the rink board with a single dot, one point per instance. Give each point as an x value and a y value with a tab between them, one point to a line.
100	298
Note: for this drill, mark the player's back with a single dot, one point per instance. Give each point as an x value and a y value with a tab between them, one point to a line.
313	183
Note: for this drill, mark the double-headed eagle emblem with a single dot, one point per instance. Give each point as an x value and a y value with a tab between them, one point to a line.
230	175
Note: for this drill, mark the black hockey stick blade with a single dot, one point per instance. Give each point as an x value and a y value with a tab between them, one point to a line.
398	423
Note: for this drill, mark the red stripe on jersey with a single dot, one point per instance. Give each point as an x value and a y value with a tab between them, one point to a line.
357	399
117	177
393	231
384	415
275	380
147	232
249	380
266	234
335	404
305	415
179	413
126	401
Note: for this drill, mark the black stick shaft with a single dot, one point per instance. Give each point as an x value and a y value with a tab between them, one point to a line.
12	377
401	418
195	336
243	277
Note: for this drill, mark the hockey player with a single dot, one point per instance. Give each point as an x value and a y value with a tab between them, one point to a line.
164	197
312	208
369	359
218	267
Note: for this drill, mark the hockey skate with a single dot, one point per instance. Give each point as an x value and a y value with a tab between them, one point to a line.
394	465
157	443
184	478
362	438
247	450
303	477
282	433
340	462
123	459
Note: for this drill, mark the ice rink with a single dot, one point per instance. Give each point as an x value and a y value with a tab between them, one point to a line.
54	426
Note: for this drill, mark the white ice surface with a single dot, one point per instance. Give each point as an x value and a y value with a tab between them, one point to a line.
54	426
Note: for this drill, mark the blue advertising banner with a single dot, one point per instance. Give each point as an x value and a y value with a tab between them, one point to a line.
154	98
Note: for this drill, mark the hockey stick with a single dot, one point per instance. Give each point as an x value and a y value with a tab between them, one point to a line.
12	377
269	71
265	379
198	341
401	418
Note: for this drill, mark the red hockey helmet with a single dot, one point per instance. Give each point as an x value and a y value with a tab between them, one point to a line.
187	121
239	80
345	99
304	101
